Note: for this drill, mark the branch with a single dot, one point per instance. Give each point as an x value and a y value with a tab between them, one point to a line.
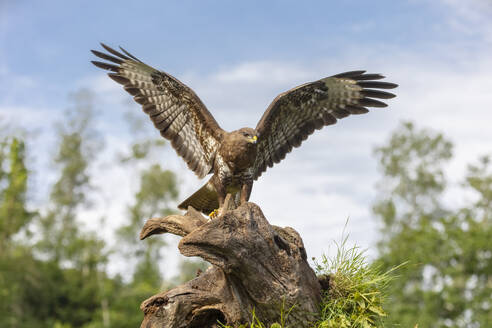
180	225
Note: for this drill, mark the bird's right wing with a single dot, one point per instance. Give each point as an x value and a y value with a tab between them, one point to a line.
174	108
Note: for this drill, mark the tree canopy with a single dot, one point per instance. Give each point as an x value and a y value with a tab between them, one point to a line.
447	280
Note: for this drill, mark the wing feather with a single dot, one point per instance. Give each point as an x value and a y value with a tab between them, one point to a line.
175	109
297	113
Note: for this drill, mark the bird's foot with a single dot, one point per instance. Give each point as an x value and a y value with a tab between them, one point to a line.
214	213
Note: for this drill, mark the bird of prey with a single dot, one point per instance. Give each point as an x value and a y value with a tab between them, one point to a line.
239	157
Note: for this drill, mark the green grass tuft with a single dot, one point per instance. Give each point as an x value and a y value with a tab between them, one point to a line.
357	290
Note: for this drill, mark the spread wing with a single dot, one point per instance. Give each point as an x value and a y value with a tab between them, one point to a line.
296	113
174	108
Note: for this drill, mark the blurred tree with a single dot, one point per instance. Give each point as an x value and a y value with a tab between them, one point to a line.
13	188
75	258
157	190
15	259
155	195
447	282
77	146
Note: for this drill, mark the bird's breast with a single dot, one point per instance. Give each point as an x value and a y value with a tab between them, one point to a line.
239	157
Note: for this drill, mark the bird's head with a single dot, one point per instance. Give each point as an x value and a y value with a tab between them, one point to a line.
248	134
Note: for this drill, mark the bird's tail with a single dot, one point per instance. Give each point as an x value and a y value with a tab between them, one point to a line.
204	199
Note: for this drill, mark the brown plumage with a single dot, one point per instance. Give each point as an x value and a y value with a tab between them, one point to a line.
237	158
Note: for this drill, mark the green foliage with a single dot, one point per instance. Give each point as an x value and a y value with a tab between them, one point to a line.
356	290
414	178
13	188
479	179
447	280
141	150
39	293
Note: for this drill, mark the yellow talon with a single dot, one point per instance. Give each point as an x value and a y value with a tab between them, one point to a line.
214	213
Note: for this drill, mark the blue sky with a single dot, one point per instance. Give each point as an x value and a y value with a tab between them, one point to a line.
48	40
238	56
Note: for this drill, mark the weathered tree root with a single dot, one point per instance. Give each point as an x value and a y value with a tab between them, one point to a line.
254	266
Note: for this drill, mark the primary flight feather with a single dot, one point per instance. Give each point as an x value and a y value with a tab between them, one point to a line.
239	157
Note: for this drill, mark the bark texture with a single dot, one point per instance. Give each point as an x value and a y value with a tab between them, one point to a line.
254	266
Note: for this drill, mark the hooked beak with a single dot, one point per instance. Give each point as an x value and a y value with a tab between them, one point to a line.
253	140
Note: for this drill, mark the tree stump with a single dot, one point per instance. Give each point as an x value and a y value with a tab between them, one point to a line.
254	266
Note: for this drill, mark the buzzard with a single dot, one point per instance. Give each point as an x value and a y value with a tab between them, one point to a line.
239	157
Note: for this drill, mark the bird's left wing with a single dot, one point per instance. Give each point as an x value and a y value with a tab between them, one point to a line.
295	114
175	109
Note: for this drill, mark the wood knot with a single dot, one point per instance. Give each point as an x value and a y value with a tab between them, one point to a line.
153	304
281	244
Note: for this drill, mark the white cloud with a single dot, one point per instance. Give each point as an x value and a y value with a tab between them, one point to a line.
16	86
260	73
107	91
470	17
25	116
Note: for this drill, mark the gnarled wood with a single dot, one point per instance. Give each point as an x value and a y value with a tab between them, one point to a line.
179	225
254	266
